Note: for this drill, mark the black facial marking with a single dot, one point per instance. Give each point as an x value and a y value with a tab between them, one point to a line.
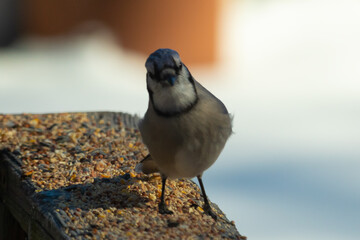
167	59
151	75
175	113
169	114
160	60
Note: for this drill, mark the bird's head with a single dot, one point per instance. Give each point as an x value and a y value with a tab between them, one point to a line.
170	85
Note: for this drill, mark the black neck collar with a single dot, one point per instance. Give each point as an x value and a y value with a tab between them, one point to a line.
175	113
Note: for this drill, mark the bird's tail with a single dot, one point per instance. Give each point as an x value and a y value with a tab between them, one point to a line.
147	166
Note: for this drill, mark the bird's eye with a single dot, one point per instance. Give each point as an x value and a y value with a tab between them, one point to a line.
151	75
178	68
150	67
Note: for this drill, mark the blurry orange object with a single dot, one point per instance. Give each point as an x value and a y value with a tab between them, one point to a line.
188	26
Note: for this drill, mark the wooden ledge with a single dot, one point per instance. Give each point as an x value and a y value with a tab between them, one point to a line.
71	176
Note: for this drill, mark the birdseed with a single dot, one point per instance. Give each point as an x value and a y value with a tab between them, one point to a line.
86	168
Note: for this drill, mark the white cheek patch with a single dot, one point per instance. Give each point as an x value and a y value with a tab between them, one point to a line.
172	98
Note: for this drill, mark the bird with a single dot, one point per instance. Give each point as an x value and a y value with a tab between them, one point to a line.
185	127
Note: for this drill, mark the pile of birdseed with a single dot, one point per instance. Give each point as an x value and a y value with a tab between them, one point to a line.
82	168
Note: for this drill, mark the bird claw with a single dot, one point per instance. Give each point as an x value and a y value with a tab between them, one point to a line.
208	211
163	209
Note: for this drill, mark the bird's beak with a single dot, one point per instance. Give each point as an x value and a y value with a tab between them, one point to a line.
171	79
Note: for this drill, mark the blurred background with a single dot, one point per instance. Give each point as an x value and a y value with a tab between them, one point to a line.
289	71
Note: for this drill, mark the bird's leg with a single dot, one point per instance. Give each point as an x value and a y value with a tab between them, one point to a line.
162	206
206	206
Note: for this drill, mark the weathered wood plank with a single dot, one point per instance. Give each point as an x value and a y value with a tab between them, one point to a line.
17	196
9	226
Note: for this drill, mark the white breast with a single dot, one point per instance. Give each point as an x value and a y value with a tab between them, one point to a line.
172	98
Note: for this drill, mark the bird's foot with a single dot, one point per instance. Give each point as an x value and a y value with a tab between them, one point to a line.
163	209
208	211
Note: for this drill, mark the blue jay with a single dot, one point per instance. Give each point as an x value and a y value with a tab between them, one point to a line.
185	127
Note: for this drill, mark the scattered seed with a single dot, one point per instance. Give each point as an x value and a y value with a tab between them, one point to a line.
89	164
